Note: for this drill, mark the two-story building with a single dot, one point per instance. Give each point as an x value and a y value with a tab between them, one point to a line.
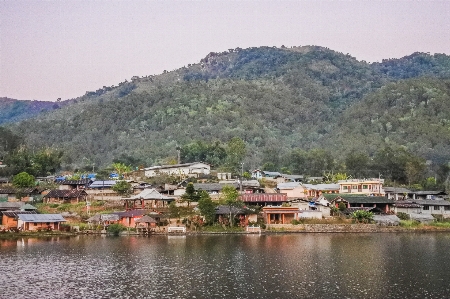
186	170
362	186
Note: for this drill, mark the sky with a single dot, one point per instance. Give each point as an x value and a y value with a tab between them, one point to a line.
63	48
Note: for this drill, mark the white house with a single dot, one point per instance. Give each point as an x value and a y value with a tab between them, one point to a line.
186	170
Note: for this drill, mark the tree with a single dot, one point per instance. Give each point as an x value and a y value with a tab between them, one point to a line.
236	150
23	180
190	195
121	169
230	196
122	188
174	211
207	207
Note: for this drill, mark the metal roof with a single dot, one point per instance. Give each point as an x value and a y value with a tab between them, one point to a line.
263	197
41	217
150	194
56	193
102	184
364	199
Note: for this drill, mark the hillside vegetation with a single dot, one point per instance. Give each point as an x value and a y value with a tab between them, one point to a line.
279	101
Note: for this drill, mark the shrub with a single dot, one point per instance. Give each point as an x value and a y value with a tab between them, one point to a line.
402	216
342	206
54	205
362	216
115	229
295	222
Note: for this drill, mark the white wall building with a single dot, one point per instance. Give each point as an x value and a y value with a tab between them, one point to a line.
186	170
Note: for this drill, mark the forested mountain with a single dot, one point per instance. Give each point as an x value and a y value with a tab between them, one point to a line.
278	100
12	110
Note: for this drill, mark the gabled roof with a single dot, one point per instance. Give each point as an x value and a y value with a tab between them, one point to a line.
364	199
263	197
146	219
76	182
225	210
130	213
428	192
272	173
66	193
150	194
174	166
213	186
322	187
103	217
11	205
27	207
15	213
102	184
288	185
396	190
32	190
421	202
41	217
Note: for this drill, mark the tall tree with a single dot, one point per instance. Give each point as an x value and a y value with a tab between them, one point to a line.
206	206
230	197
190	195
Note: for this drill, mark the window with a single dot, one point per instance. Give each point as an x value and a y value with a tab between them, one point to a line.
344	187
446	208
436	208
426	208
365	187
354	187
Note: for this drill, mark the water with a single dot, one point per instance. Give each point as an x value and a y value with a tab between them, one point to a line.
403	265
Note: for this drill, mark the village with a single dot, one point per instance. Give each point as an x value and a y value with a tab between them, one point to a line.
267	201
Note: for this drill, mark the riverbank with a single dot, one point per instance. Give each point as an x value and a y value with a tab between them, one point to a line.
273	229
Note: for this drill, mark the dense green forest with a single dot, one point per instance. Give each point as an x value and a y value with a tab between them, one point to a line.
306	110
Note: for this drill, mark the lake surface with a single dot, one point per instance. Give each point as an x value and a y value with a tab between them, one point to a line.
383	265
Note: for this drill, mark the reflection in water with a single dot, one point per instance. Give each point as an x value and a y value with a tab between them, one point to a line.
228	266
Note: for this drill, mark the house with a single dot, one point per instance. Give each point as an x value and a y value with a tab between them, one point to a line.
75	184
427	195
65	196
11	206
10	218
214	188
243	215
292	189
146	222
362	186
264	199
320	204
424	206
25	194
102	190
148	198
280	214
376	203
195	169
396	193
293	177
32	222
128	218
268	175
103	219
319	189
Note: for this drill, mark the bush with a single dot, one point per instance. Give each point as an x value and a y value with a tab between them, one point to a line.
402	216
115	229
342	206
362	216
295	222
54	205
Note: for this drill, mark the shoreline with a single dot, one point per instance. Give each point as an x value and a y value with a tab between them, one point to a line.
299	229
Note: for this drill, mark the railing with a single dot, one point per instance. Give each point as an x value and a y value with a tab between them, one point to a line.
253	229
175	229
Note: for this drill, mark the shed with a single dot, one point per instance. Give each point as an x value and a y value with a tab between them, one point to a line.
39	221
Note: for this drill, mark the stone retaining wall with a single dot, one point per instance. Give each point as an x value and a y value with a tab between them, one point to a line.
331	228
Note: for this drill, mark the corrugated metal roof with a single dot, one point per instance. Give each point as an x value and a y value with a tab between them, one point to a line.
41	217
66	193
150	194
264	197
101	184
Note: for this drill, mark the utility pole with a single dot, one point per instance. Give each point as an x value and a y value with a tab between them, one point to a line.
242	174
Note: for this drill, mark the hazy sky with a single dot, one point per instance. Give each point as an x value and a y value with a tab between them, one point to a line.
61	49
